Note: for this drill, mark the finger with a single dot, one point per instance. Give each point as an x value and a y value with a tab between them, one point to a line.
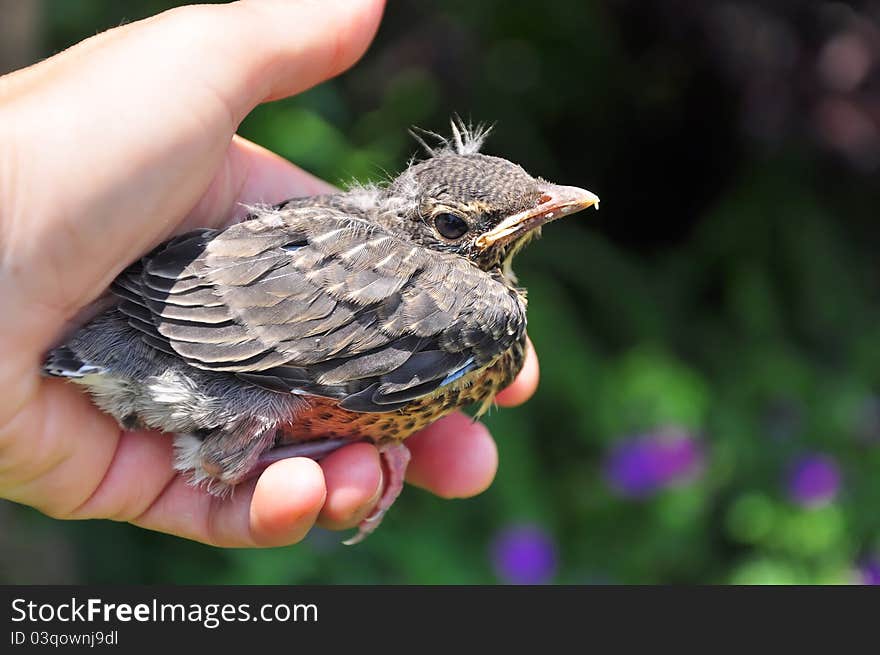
298	44
250	175
525	384
141	469
288	497
453	458
62	456
55	447
277	509
354	483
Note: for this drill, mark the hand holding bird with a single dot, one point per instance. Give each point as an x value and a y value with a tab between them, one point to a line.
363	315
111	148
127	182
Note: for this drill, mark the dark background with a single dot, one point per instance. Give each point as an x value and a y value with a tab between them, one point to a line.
709	340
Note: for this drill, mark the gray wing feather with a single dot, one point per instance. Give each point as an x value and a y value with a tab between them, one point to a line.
311	299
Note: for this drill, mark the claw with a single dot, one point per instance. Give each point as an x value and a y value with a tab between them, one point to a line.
395	457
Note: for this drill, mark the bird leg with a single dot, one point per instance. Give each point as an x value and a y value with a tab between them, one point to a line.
207	454
395	458
219	459
316	450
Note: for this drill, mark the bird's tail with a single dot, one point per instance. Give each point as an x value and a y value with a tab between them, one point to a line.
62	362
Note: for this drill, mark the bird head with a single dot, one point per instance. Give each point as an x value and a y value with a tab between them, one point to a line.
481	207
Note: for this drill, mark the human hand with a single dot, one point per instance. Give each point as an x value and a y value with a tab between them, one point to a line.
108	149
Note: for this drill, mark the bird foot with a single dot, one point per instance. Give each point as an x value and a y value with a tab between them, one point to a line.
395	458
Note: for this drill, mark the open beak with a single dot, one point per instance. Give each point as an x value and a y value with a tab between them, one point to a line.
555	201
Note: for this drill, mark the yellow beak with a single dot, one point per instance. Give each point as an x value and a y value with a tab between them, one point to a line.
556	201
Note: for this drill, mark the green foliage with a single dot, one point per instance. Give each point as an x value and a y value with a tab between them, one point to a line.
738	303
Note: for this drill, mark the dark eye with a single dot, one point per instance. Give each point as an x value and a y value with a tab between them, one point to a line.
450	226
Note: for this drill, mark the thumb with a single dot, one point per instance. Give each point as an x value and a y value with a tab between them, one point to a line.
116	139
247	52
263	50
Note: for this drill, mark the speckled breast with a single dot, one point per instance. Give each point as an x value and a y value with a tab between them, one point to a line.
324	419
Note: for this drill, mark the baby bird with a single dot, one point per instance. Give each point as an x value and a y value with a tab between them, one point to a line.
321	321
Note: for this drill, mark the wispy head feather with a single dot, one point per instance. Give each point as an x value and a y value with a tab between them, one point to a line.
467	139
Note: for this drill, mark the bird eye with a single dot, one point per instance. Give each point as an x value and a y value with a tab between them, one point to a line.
450	226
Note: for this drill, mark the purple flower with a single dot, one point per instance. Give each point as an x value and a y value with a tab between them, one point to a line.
640	466
524	554
813	480
870	571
